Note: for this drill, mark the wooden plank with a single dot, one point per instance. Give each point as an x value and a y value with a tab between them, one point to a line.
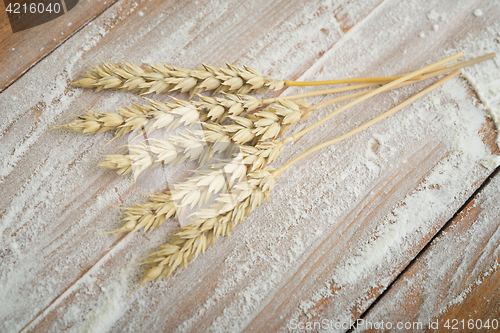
43	187
456	278
293	258
23	49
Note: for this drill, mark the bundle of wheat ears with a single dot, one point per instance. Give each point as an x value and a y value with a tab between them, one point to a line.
241	133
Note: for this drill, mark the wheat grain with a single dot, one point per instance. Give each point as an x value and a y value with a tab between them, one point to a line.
148	215
233	105
93	122
158	78
275	120
269	123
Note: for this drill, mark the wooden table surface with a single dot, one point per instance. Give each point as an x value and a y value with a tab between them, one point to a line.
399	223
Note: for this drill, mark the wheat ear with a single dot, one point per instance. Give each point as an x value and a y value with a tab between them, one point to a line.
190	146
158	78
210	224
158	115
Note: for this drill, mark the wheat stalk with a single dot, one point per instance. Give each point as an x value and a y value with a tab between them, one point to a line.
159	78
219	109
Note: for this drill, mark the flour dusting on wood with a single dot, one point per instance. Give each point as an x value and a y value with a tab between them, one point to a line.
340	225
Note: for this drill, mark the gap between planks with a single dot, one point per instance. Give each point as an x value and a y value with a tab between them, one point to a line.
426	247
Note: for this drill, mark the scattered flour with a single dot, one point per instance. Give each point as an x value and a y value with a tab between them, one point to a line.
485	77
433	15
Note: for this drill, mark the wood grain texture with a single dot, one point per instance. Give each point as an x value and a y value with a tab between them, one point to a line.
460	266
304	255
21	50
